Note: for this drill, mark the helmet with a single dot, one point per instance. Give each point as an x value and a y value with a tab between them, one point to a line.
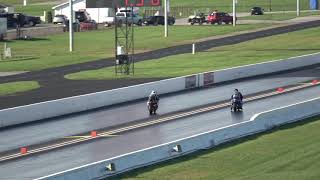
153	92
236	90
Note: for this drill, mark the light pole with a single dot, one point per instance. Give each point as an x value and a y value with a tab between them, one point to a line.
24	2
234	12
165	19
71	27
298	7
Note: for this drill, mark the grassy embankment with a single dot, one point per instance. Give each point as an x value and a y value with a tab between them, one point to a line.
52	51
289	152
16	87
279	16
255	51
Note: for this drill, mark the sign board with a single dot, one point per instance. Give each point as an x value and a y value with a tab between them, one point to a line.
191	81
121	3
208	78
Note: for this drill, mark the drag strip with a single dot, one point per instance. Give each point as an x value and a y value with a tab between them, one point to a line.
103	148
115	132
38	133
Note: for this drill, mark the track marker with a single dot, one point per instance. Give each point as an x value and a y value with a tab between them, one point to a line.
280	89
93	134
314	82
23	150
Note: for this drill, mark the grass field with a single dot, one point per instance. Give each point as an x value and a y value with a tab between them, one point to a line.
35	10
265	49
53	50
289	152
16	87
279	16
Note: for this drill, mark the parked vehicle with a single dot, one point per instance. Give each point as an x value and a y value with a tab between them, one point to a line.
82	16
109	21
219	18
88	25
257	11
14	19
32	20
60	19
128	17
199	18
156	20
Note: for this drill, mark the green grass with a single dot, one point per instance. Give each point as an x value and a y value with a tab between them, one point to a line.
35	10
279	16
16	87
255	51
289	152
20	2
52	51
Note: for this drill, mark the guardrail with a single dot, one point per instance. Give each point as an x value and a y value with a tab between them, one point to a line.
258	123
49	109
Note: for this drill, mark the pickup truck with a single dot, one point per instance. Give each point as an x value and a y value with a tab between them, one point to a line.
14	19
121	19
155	20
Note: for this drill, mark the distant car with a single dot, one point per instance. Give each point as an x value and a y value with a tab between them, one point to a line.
219	18
14	19
156	20
199	18
257	11
88	25
60	19
32	20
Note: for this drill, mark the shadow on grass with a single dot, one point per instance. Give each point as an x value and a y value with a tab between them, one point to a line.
33	39
20	58
192	156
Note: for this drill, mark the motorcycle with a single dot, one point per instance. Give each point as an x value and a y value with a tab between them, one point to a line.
236	105
152	107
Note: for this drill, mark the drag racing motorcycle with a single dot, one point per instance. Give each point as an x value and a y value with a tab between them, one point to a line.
236	105
152	107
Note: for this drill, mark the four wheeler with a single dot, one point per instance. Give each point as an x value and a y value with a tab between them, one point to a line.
152	107
199	18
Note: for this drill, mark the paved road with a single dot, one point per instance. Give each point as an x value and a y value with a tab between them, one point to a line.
63	159
54	86
43	164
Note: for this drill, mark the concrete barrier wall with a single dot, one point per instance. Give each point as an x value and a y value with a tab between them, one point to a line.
60	107
265	68
70	105
258	123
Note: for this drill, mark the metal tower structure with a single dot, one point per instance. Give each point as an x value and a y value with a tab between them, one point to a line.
124	42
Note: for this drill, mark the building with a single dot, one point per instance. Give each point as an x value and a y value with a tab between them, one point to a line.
4	8
97	14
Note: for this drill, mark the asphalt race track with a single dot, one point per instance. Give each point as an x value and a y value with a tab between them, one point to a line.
42	164
52	80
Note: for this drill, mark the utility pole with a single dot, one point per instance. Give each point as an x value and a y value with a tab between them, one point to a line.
71	27
298	7
165	19
234	12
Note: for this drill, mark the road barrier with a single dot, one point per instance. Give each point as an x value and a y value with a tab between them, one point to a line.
258	123
49	109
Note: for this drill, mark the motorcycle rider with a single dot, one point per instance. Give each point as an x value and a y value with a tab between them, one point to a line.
237	96
153	97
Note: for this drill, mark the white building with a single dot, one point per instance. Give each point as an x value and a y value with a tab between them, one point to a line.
97	14
6	8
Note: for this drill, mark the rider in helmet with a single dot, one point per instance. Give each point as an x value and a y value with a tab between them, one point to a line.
237	96
153	97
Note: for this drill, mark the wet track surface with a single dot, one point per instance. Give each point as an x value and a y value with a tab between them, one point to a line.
43	164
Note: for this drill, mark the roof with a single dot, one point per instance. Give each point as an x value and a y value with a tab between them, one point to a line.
66	3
